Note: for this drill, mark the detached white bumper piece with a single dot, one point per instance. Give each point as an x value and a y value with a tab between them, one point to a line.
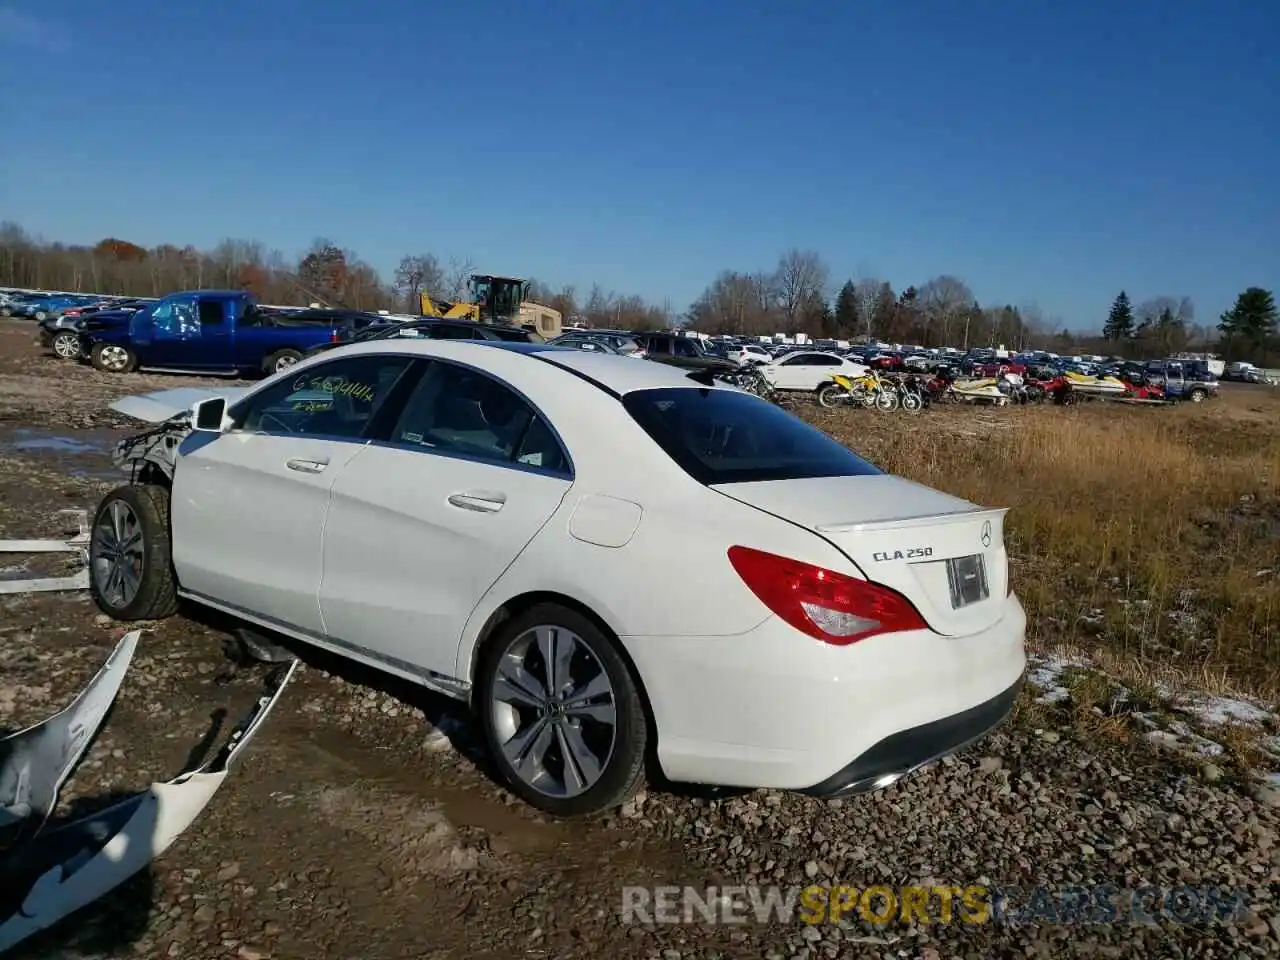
73	865
36	762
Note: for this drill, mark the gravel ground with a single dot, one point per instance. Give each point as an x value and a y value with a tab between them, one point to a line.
362	824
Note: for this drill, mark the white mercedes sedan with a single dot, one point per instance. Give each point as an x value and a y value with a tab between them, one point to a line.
809	371
610	561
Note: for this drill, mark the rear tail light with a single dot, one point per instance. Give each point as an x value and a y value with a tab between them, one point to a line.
830	606
333	337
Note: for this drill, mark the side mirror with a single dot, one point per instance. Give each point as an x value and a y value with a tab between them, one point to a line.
209	416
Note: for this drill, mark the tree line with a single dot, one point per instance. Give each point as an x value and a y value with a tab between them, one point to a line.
1250	330
798	295
326	273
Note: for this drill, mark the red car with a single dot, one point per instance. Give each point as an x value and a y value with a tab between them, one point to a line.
889	362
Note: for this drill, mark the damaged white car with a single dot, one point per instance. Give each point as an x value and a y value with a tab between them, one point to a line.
610	561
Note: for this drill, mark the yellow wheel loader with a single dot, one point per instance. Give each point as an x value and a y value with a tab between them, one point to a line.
497	300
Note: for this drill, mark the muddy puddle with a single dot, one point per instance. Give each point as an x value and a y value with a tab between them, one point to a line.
85	454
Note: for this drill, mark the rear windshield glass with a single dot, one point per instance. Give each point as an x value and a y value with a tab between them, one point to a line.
724	436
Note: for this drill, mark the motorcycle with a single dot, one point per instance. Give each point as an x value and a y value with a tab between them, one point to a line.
869	390
911	394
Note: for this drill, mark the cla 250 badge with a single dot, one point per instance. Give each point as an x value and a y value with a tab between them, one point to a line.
911	553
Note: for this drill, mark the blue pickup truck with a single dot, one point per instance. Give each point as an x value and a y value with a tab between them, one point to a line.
200	331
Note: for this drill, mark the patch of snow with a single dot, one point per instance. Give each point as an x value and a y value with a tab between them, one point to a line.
1201	745
1215	711
1046	672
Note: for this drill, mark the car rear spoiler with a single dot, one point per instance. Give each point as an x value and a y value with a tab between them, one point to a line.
905	523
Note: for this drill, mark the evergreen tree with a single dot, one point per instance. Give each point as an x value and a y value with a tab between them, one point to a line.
1119	325
1252	321
847	309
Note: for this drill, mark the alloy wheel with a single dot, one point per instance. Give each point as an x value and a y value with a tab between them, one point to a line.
66	346
114	358
116	555
554	710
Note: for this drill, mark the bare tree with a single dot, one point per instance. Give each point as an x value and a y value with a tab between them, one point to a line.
867	293
942	301
1034	322
801	278
1181	309
736	303
455	279
415	275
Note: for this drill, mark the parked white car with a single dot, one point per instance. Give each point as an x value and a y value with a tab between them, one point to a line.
748	353
604	558
809	370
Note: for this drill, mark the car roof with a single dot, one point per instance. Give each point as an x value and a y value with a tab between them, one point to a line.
617	374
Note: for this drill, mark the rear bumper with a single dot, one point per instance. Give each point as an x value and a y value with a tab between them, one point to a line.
902	753
775	708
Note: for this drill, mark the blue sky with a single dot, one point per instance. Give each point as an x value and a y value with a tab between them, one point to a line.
1044	152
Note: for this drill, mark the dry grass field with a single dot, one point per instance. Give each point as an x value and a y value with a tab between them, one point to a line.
1148	538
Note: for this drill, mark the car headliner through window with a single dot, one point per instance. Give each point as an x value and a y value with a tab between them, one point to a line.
725	436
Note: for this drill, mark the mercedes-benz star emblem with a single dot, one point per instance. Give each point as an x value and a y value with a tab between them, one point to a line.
986	534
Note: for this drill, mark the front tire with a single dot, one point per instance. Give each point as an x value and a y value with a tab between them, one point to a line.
112	358
131	573
561	713
65	345
1196	396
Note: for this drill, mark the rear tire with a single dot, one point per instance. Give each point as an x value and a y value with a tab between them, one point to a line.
112	358
135	515
616	766
280	360
829	395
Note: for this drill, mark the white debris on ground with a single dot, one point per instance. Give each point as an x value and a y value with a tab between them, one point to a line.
1048	671
1219	711
1204	714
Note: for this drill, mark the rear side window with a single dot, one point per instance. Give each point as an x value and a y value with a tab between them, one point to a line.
210	312
456	409
724	436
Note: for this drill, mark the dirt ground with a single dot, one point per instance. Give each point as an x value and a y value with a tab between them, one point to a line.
363	824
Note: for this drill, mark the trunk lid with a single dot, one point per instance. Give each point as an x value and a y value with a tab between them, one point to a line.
904	535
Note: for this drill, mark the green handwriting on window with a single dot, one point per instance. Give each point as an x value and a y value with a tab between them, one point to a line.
336	386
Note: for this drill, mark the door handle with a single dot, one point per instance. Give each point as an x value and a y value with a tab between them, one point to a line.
480	502
303	465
